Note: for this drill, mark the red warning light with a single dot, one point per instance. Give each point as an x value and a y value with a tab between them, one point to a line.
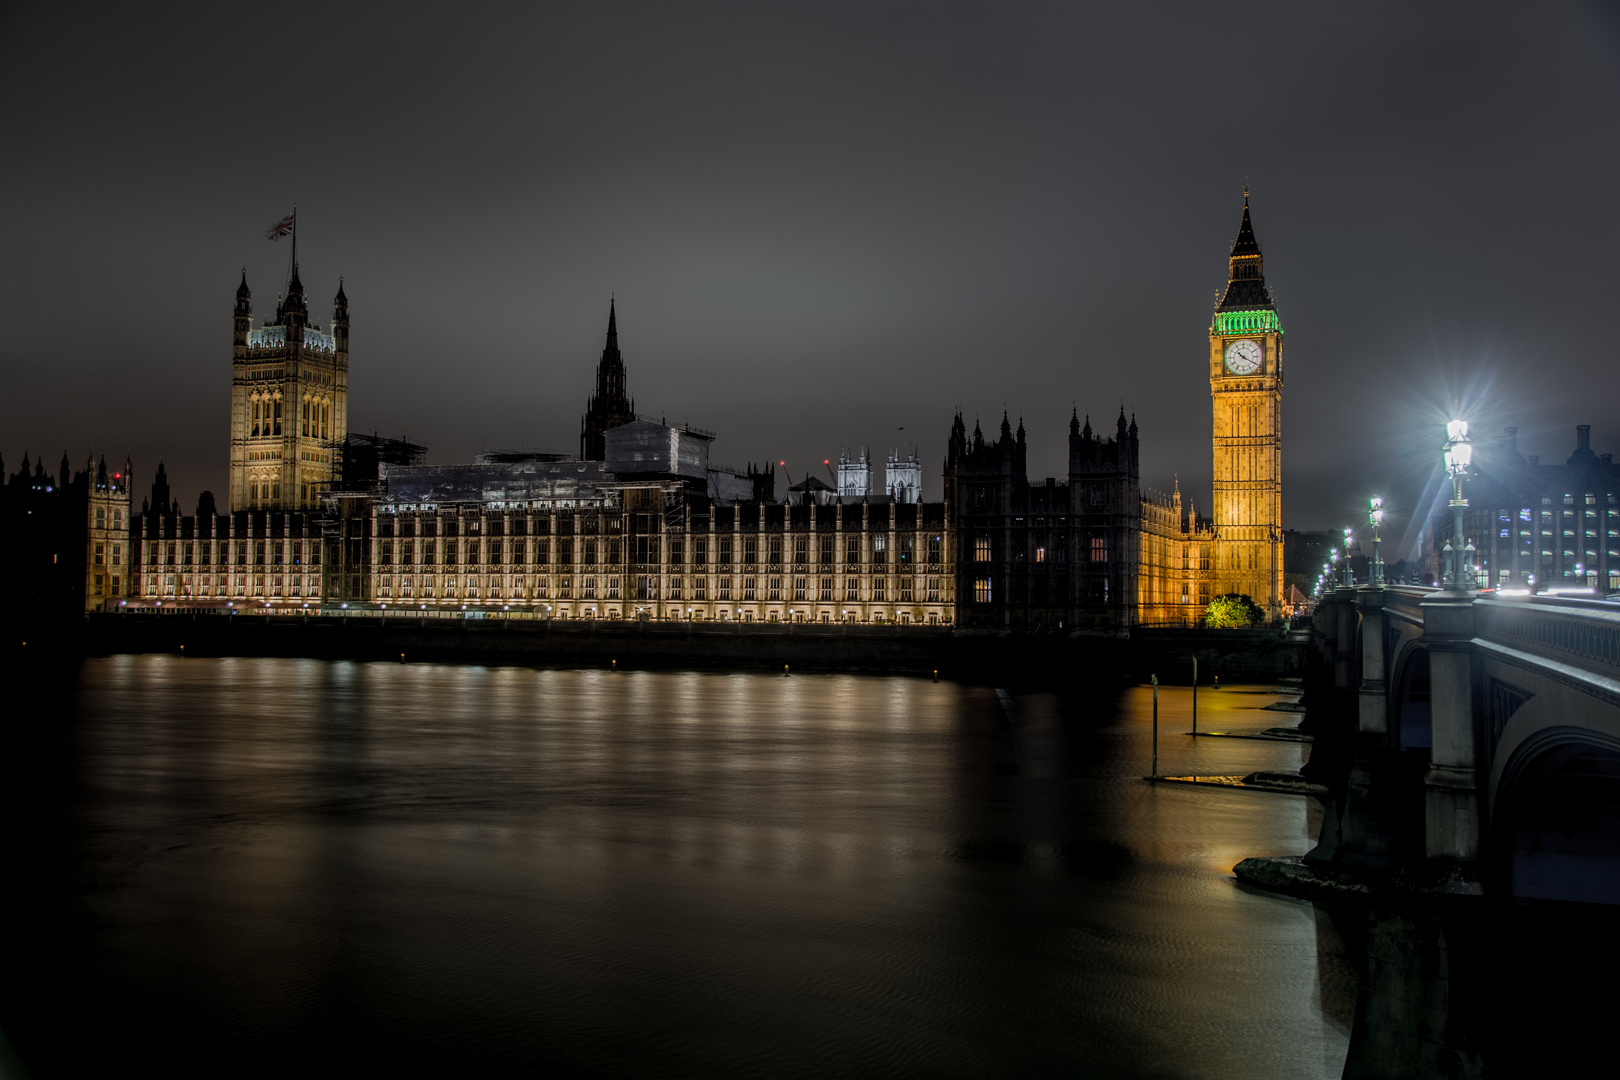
118	476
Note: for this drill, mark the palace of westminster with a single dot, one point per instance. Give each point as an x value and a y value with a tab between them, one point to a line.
640	525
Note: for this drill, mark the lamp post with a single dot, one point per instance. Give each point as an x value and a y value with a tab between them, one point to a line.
1375	517
1349	578
1458	453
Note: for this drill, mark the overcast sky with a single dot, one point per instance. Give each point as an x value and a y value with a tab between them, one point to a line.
823	222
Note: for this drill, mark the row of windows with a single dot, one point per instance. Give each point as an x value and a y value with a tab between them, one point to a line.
983	550
648	587
260	552
646	549
314	421
1041	591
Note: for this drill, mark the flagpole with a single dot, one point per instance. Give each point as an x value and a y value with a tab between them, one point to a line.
294	245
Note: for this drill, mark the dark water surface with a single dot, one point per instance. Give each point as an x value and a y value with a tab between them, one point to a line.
261	865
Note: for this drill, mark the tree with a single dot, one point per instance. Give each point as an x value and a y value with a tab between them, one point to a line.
1232	611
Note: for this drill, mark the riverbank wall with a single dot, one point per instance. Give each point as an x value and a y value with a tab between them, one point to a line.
977	655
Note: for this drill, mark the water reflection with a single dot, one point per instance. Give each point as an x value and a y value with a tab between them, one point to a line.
601	873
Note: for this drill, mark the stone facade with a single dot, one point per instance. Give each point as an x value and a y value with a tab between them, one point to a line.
109	557
289	402
1052	556
1245	384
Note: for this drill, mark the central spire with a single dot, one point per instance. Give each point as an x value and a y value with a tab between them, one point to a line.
611	405
1245	280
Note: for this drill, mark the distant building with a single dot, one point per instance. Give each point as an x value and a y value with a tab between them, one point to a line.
289	402
651	532
108	554
1054	555
64	540
640	526
903	476
854	474
1096	551
1558	523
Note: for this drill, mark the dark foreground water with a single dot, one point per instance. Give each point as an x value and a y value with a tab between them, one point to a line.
246	865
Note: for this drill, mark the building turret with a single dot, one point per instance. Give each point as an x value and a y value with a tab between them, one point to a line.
243	315
340	319
160	489
294	313
64	474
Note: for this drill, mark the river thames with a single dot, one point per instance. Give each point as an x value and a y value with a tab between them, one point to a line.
256	865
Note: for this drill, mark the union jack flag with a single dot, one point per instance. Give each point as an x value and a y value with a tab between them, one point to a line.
284	227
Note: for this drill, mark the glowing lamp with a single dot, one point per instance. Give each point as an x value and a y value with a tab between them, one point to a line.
1457	430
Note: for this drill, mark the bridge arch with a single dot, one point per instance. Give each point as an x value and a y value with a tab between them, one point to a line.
1411	721
1555	817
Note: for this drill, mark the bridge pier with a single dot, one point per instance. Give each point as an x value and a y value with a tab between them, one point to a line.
1470	743
1451	786
1370	823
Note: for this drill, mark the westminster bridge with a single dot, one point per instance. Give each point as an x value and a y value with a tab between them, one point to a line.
1478	740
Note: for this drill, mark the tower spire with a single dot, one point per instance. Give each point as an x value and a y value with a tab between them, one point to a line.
610	405
1245	280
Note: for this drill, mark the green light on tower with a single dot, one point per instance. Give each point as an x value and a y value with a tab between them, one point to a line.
1245	322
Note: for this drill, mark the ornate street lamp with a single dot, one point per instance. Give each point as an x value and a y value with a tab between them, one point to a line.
1458	454
1349	579
1375	517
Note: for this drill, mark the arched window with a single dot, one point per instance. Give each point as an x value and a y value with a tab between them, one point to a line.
277	421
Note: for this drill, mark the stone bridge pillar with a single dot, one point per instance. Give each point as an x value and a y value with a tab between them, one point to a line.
1374	690
1344	635
1451	795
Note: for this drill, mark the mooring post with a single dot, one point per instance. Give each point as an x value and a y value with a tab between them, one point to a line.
1155	774
1195	695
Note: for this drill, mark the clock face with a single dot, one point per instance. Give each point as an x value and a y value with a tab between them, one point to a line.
1243	357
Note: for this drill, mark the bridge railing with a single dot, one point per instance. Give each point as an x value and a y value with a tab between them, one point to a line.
1585	634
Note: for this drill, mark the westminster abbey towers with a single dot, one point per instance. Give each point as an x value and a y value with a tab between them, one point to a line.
1245	383
289	402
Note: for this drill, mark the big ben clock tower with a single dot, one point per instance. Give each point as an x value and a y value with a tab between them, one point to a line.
1245	383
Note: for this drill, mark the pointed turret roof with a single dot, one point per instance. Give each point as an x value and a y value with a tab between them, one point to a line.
1246	244
1245	280
242	289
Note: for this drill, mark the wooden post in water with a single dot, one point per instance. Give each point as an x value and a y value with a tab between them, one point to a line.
1155	774
1195	695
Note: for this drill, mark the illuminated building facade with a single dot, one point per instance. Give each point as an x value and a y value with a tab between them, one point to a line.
289	402
1245	383
108	555
651	532
1556	523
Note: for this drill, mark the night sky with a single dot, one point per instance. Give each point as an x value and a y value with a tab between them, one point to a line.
823	223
